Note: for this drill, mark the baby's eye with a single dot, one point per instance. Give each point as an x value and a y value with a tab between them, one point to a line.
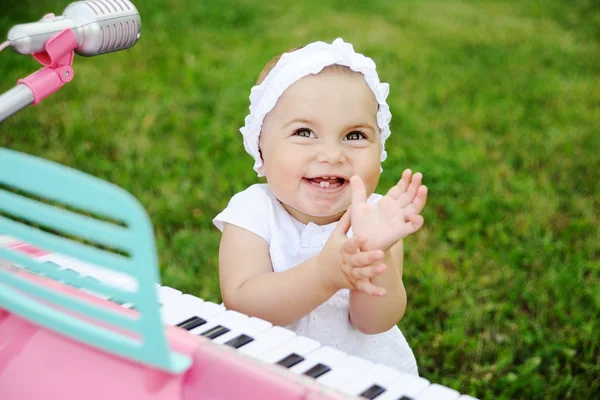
304	132
355	135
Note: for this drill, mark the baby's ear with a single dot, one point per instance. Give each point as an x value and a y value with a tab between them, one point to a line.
261	169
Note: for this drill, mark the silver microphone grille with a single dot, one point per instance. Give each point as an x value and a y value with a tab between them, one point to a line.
105	25
100	26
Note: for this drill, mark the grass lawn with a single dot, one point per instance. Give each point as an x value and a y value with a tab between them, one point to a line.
496	102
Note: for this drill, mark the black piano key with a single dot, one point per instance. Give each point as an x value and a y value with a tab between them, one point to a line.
191	323
215	332
317	371
290	360
239	341
372	392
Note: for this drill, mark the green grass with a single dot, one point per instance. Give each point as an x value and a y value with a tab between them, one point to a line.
496	102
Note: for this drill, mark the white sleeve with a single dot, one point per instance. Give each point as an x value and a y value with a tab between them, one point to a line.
248	209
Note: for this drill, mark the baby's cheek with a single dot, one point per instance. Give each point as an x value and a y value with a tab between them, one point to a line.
371	184
292	164
288	172
285	178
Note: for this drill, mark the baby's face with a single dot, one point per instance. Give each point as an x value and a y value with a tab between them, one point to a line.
322	131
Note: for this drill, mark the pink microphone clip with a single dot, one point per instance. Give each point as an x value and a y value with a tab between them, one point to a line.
57	59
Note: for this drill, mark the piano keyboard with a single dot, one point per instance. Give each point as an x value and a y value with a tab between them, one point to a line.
258	339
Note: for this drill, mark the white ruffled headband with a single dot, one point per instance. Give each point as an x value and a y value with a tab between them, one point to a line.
311	59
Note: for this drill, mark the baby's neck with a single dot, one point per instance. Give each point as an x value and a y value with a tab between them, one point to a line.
305	219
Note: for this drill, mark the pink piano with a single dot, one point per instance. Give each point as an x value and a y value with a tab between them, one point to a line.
83	315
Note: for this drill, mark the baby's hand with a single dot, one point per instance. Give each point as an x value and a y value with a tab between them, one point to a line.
343	265
394	217
359	266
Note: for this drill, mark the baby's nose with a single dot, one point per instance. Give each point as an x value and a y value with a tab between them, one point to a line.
331	154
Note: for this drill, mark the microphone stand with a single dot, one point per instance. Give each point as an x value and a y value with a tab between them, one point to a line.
57	59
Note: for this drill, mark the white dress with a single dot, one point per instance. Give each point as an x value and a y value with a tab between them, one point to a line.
257	210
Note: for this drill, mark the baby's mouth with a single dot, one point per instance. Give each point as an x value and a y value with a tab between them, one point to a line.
327	182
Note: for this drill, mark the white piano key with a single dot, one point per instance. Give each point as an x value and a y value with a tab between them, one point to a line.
97	273
300	345
113	278
166	293
178	316
226	319
53	258
57	261
344	369
252	327
438	392
267	340
407	385
380	375
120	280
82	268
203	310
172	305
323	355
96	294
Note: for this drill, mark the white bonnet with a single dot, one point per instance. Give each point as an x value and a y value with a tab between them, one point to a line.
311	59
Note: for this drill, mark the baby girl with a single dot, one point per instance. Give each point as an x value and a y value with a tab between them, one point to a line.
315	249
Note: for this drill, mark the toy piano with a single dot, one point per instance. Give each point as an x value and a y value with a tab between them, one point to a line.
83	315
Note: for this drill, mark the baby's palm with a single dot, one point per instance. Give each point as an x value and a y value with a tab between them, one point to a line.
395	216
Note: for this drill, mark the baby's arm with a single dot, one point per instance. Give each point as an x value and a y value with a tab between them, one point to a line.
376	314
249	285
385	224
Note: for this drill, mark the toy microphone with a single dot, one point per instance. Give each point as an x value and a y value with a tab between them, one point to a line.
87	28
100	26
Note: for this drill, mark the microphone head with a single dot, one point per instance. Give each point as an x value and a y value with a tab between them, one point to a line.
100	26
104	26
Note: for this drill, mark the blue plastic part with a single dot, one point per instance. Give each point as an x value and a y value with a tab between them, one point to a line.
138	337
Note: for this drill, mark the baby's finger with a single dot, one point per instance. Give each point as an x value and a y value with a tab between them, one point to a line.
409	210
359	193
416	221
368	272
344	224
401	186
420	199
418	202
367	287
353	244
363	259
407	197
414	185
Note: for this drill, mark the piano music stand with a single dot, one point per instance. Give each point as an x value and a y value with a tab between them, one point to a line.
139	336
